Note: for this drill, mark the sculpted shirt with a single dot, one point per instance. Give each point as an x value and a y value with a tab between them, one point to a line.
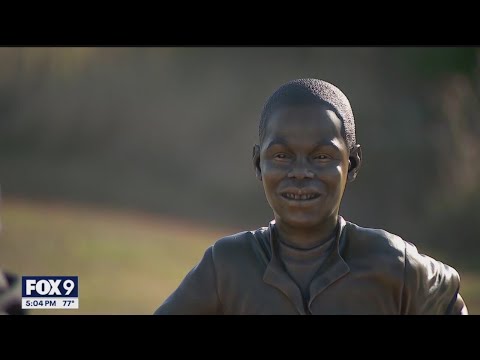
367	271
10	294
302	265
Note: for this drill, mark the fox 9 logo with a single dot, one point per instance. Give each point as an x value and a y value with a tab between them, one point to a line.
54	286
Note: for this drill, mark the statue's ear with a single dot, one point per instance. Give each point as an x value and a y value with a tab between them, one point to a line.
354	162
256	162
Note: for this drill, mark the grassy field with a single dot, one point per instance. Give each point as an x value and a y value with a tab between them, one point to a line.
127	263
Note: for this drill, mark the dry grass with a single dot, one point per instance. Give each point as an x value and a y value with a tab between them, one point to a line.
470	290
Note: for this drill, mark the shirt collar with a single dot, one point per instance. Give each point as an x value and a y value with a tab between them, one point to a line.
333	269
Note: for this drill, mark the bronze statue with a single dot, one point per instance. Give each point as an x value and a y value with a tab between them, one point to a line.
310	260
10	294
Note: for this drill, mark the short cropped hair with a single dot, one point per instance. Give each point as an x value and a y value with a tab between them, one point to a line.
306	92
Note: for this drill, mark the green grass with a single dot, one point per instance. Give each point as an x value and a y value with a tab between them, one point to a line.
127	263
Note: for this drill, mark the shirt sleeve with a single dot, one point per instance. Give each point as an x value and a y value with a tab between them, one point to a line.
457	306
430	287
197	293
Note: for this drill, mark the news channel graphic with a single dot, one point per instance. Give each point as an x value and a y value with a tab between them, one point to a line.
49	292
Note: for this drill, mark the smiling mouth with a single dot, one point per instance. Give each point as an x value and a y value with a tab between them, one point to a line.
304	197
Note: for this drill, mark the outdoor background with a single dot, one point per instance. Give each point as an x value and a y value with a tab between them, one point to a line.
121	165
